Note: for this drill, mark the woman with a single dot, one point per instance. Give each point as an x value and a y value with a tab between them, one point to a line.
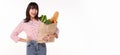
30	26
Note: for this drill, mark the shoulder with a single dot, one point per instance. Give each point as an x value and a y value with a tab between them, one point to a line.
21	22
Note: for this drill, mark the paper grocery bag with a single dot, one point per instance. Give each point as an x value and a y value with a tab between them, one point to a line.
46	29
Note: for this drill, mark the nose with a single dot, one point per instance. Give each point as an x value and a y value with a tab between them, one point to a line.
34	10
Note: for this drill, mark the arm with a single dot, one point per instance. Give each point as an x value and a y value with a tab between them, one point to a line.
52	35
56	33
15	33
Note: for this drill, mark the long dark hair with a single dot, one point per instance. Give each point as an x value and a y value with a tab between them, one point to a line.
32	5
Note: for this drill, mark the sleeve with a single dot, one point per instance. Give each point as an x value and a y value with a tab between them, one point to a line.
16	31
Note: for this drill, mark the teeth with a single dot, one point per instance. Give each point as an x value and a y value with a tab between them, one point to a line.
33	14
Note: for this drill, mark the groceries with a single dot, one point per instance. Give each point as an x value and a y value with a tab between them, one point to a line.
55	17
44	19
47	27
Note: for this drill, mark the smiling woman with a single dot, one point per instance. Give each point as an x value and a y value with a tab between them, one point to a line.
87	27
30	25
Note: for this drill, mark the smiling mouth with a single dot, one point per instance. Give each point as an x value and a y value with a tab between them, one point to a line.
33	14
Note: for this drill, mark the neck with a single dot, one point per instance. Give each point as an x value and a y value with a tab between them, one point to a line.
32	19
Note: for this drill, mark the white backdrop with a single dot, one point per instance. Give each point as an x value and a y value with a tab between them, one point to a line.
87	27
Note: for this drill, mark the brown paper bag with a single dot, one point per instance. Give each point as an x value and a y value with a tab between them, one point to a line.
44	30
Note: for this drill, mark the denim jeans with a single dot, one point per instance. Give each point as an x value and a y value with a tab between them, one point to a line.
34	48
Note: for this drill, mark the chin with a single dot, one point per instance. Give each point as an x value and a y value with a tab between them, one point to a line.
33	16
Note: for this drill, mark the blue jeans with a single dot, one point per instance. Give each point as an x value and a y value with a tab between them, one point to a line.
34	48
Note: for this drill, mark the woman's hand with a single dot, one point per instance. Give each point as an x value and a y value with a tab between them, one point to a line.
23	40
56	35
47	37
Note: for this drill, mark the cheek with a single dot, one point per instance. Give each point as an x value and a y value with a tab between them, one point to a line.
36	11
30	12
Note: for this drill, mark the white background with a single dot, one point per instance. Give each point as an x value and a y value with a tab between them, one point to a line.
87	27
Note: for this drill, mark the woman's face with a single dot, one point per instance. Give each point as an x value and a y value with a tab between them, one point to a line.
33	13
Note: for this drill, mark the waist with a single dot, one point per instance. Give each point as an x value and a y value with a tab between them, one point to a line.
35	43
